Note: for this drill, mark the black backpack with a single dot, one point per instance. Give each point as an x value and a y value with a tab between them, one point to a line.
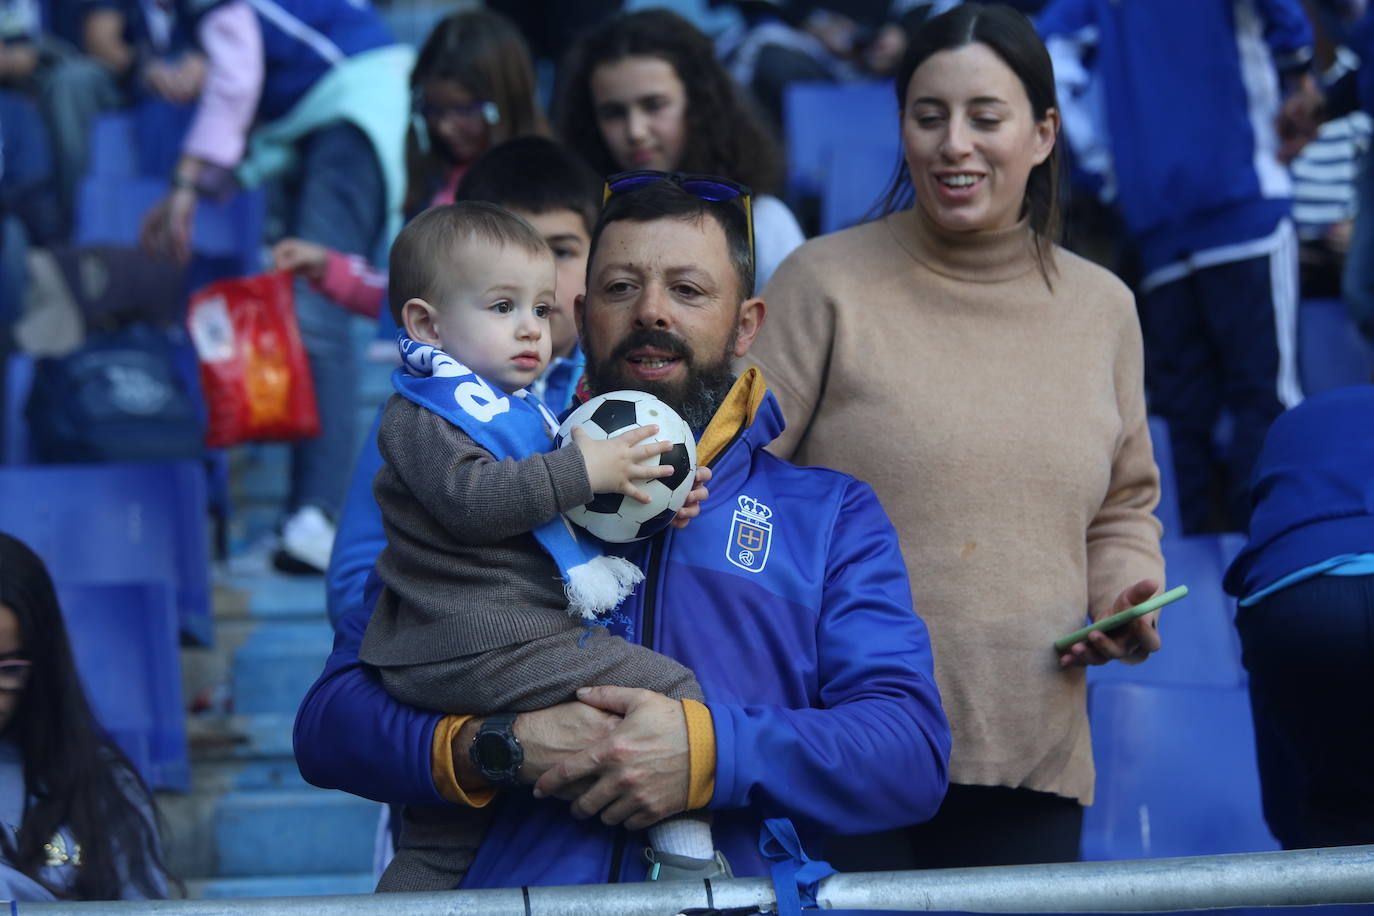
123	396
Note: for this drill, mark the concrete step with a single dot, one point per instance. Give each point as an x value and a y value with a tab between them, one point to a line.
281	886
276	665
258	473
268	595
262	737
300	832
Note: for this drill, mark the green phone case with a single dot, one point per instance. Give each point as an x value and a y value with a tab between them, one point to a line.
1124	617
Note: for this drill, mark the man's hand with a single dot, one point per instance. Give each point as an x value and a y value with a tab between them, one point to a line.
545	735
1131	643
636	776
167	226
1298	118
692	507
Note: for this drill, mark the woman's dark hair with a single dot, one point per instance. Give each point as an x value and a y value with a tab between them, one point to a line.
485	53
724	136
75	777
1012	37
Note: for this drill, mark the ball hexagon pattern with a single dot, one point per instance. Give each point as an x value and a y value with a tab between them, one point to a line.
615	517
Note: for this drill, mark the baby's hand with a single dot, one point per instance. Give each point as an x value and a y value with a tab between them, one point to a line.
613	465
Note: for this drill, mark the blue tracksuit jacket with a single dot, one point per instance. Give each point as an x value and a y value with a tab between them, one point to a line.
301	41
1191	93
1313	489
789	599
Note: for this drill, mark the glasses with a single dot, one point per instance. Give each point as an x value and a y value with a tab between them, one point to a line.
484	111
704	187
14	674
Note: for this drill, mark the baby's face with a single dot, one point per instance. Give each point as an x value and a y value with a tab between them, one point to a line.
495	318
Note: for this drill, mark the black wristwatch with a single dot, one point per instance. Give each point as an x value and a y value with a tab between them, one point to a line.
496	752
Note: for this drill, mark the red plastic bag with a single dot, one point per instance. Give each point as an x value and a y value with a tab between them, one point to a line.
253	367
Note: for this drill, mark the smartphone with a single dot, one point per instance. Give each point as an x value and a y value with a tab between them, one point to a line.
1124	617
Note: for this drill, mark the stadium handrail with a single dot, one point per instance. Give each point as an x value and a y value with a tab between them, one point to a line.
1307	877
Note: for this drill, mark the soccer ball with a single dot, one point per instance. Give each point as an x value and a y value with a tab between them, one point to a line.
616	517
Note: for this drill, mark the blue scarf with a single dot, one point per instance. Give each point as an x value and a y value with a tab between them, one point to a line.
515	426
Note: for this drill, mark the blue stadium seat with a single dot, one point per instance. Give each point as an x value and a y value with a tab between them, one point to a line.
114	152
159	127
1176	773
817	116
110	212
1199	642
1331	351
856	175
1167	511
124	638
18	378
118	523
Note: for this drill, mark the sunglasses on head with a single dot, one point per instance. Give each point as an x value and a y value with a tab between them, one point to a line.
704	187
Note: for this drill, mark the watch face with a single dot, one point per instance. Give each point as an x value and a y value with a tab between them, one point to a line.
494	752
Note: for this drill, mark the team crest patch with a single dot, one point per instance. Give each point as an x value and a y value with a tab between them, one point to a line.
751	535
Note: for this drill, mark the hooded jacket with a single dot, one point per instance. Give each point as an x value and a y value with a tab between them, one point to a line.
788	598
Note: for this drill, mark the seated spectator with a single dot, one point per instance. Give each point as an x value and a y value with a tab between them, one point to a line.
768	50
313	93
78	58
645	91
79	824
1305	581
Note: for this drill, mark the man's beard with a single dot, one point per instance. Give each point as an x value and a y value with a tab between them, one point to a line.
696	397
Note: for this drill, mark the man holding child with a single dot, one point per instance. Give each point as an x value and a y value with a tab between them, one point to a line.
786	596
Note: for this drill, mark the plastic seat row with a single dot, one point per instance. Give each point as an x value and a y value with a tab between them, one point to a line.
127	547
132	153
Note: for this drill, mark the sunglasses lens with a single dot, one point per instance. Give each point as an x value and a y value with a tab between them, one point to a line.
629	182
710	190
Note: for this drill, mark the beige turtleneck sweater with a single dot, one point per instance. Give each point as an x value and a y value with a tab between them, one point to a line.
1001	421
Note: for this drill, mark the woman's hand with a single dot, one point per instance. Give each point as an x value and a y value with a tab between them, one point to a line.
692	507
1131	643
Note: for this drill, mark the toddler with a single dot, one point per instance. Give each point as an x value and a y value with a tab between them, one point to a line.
487	592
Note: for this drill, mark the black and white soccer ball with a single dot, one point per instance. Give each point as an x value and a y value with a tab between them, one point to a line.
616	517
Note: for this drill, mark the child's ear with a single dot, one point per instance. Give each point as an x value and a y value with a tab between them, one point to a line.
421	322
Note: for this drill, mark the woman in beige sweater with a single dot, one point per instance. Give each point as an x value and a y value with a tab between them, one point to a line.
988	385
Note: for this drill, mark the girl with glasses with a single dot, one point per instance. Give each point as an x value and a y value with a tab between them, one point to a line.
76	821
645	91
472	88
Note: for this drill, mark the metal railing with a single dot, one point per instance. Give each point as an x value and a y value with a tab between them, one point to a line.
1308	877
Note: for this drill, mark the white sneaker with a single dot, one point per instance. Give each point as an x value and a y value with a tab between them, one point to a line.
307	537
